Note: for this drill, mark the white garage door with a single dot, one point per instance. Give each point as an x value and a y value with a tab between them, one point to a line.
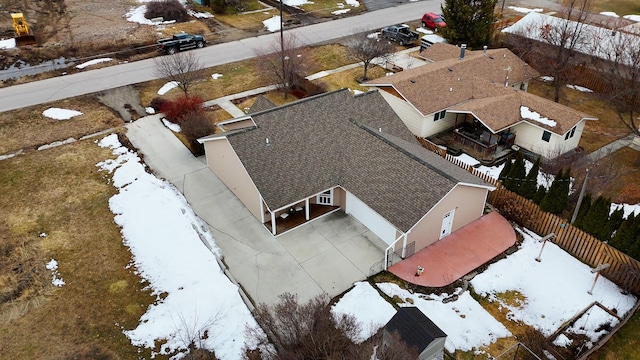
369	218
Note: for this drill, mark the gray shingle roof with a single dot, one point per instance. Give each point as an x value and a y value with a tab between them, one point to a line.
356	142
261	104
414	327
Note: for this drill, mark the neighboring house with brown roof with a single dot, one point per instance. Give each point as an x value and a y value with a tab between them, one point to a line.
482	98
336	151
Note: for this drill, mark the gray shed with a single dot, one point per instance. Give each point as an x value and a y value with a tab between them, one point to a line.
416	330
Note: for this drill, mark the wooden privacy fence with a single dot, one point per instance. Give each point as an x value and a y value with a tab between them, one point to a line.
623	269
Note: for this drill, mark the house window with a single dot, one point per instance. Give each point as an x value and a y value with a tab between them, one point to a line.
439	115
546	136
523	86
569	134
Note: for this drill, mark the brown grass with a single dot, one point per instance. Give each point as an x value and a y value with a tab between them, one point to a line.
625	188
323	8
28	128
347	79
621	7
605	130
191	27
249	22
60	192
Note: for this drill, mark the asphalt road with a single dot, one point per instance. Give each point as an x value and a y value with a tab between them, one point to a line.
91	81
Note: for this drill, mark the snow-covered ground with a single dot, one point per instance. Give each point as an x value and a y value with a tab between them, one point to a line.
173	250
552	291
524	10
168	86
7	43
60	114
92	62
273	24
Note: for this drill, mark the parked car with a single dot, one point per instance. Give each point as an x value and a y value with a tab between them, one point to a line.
180	42
400	33
433	21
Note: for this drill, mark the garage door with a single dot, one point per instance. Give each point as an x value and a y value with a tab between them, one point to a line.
369	218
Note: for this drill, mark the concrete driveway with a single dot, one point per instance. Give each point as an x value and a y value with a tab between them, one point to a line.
324	256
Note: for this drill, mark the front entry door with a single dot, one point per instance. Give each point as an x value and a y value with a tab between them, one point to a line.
326	198
447	223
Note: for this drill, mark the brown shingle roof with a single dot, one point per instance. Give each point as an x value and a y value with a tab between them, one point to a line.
356	142
450	81
499	111
440	51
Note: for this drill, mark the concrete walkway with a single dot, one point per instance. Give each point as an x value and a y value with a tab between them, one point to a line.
611	148
324	256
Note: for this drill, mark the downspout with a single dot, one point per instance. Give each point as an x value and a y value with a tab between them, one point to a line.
273	223
306	208
404	245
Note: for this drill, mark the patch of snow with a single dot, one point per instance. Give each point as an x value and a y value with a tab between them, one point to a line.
199	15
467	324
53	267
562	340
579	88
273	24
149	110
60	114
543	179
571	279
168	86
42	235
591	324
167	242
354	3
525	10
366	305
546	78
468	160
609	13
216	76
374	35
526	113
339	12
356	92
92	62
627	208
632	17
172	126
424	31
137	15
7	43
297	3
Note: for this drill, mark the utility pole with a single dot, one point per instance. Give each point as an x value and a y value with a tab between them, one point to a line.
284	79
582	191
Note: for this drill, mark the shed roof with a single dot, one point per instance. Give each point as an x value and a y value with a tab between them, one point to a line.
414	327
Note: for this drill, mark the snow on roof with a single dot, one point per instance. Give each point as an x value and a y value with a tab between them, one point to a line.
529	114
597	41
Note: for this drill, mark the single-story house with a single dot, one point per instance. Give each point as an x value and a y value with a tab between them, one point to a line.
340	152
481	97
418	331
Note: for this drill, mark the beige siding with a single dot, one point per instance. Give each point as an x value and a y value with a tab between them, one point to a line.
431	127
412	119
530	138
468	202
339	197
223	161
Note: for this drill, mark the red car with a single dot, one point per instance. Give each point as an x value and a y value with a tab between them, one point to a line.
433	21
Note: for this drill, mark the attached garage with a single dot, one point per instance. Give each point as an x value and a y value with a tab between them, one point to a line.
371	219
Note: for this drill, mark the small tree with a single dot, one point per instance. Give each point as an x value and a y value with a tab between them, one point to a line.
183	68
195	125
540	193
530	185
280	62
517	173
505	169
557	198
364	47
468	21
627	236
167	10
596	220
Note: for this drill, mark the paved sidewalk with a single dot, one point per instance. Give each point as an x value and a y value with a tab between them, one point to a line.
611	148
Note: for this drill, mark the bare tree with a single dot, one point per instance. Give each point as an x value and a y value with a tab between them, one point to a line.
552	46
566	37
618	56
365	46
290	330
183	68
282	62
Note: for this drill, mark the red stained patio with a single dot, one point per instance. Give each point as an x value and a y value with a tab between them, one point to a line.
458	254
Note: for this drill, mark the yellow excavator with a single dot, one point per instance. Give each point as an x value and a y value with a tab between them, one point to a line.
23	33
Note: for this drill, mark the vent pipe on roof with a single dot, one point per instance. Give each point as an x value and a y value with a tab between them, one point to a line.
484	50
379	129
462	49
267	141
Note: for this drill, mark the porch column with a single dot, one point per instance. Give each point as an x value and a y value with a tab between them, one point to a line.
404	245
306	208
273	223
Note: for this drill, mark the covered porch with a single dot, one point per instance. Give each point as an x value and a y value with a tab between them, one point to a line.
295	216
456	255
473	136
